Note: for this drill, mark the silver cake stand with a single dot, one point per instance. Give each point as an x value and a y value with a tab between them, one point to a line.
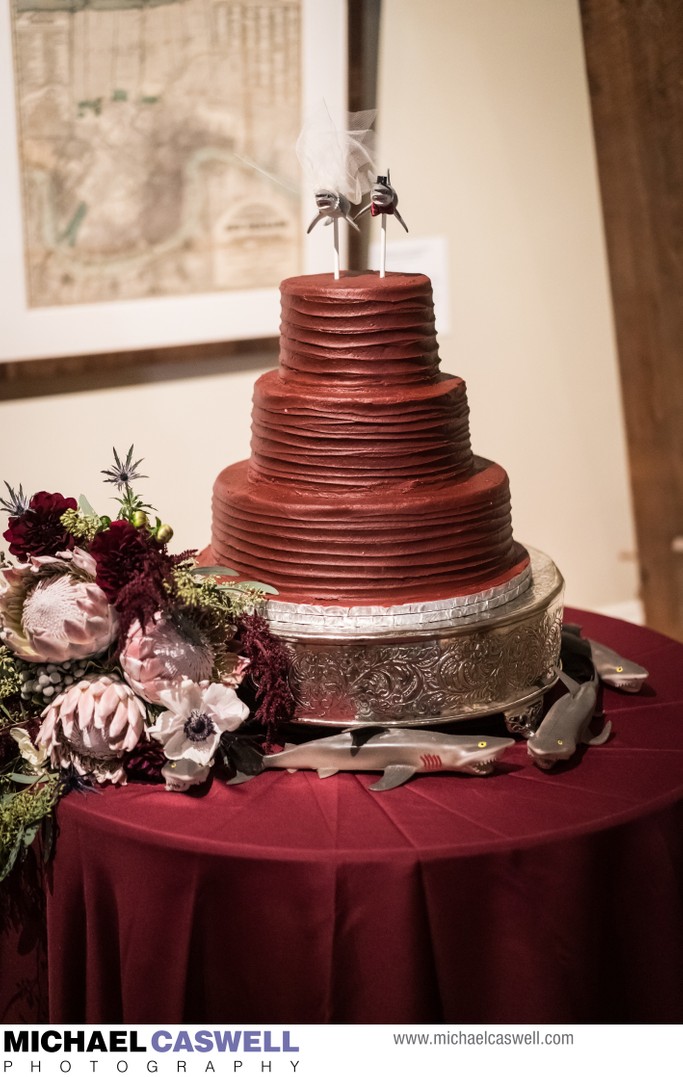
427	663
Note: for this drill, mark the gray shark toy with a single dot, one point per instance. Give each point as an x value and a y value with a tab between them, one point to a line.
400	753
611	667
383	200
567	724
617	671
331	205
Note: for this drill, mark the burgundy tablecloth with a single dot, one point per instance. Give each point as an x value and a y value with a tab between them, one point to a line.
522	897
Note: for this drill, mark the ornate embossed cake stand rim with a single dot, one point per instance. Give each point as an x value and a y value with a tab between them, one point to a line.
427	663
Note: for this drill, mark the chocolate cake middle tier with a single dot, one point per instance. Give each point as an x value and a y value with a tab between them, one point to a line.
314	438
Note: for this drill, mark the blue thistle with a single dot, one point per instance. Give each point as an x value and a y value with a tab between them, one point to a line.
17	503
123	472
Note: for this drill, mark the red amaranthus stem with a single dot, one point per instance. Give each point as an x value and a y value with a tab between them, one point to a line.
269	671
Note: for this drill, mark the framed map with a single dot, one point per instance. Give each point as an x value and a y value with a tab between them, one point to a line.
149	184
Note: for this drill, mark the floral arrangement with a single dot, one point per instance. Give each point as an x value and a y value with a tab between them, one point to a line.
120	660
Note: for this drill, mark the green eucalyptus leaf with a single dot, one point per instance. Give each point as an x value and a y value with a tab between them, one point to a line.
248	585
265	587
214	570
246	758
10	857
25	779
85	506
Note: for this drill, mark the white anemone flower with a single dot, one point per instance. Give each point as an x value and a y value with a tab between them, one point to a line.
36	757
191	728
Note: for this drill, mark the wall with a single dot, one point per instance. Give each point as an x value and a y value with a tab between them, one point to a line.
188	421
485	124
486	127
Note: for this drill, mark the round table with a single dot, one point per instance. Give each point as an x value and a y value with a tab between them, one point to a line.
526	896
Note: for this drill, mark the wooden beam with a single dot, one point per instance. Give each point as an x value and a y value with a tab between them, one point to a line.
634	59
75	373
363	30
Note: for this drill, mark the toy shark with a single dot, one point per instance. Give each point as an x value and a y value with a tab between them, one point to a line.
567	724
383	200
332	205
400	753
611	667
617	671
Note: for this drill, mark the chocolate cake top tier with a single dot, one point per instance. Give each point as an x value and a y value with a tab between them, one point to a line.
357	329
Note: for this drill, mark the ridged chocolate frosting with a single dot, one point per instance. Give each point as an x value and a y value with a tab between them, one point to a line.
362	486
361	327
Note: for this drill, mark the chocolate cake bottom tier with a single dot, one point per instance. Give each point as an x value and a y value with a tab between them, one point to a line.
403	544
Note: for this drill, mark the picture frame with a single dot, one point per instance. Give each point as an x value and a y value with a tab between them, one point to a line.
170	321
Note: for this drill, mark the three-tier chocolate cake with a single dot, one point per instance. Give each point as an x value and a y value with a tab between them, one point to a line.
365	507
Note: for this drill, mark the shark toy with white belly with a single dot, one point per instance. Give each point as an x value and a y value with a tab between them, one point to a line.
612	668
615	670
399	753
567	724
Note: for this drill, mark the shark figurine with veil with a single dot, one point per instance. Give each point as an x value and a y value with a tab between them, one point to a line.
338	165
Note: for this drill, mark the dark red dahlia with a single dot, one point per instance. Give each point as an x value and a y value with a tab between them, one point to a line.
132	570
120	552
39	532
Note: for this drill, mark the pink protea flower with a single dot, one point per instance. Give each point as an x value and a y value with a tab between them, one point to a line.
191	729
91	725
52	610
160	656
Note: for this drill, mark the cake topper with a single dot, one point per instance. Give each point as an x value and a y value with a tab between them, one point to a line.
332	206
383	203
338	165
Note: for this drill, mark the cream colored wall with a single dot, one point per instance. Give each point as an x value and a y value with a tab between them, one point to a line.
485	125
187	423
485	121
